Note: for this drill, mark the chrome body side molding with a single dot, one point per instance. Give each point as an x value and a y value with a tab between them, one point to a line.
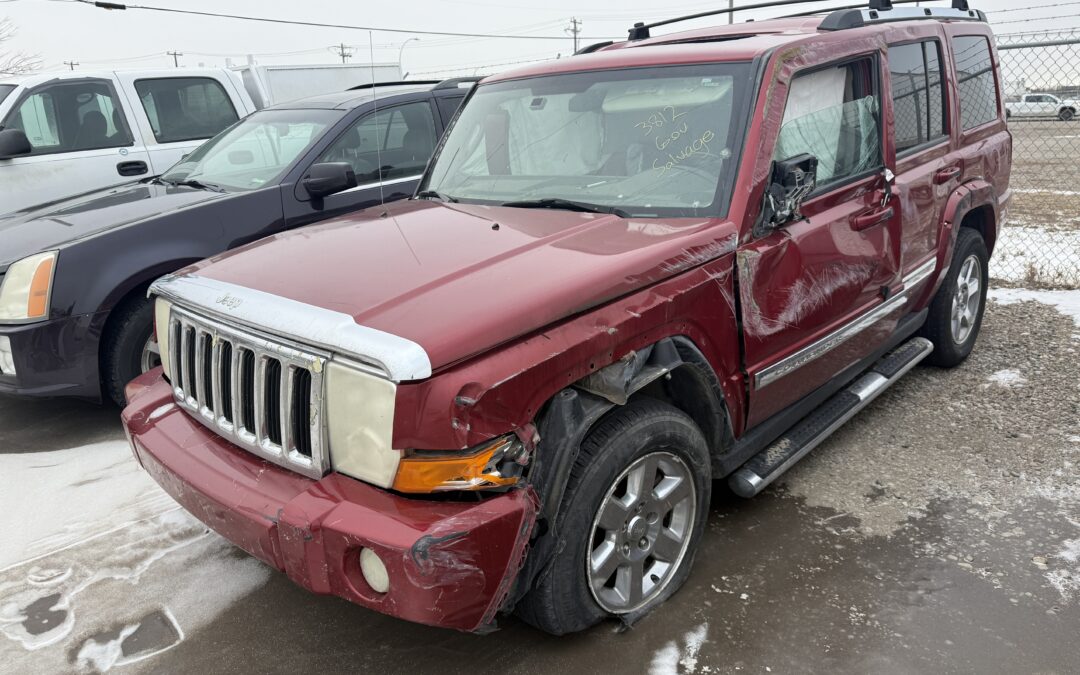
823	346
396	358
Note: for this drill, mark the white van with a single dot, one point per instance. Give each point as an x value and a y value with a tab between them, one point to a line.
68	133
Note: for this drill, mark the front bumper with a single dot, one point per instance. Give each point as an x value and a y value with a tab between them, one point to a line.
450	564
55	358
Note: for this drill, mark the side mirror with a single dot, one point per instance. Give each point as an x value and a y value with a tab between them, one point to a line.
328	178
13	142
791	181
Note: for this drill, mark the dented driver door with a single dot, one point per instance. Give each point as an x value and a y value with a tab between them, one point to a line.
811	290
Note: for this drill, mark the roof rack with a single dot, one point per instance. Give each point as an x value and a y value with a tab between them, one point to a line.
395	83
959	10
882	11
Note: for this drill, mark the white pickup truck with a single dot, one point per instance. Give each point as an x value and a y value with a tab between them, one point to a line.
69	133
1042	105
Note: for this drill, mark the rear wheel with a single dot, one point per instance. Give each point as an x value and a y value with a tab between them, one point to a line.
633	514
956	311
1066	114
129	346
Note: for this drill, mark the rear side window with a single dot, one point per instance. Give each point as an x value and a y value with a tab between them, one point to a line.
918	101
975	80
71	116
185	108
832	114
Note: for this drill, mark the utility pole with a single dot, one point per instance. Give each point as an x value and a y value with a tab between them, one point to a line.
175	58
343	51
731	14
71	64
575	30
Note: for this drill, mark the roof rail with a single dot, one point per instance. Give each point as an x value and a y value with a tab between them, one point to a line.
641	31
396	83
453	82
882	11
596	46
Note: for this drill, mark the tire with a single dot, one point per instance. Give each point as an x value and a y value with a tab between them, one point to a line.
951	347
1066	114
128	334
645	433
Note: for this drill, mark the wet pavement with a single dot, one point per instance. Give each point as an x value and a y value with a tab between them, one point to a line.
938	532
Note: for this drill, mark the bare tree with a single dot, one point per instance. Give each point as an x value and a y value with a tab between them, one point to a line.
14	63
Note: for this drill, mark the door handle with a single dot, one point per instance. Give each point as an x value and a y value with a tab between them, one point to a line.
134	168
946	175
873	218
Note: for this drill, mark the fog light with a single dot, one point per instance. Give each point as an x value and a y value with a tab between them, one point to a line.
374	571
7	359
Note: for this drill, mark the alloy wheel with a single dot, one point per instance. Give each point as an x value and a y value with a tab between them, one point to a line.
641	532
965	304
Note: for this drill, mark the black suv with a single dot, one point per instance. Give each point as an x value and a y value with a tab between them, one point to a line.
74	318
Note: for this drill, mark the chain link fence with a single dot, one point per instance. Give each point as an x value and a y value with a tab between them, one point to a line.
1040	244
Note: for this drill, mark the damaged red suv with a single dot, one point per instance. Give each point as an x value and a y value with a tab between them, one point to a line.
627	274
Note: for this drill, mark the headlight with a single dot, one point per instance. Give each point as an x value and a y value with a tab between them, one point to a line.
24	295
162	309
360	424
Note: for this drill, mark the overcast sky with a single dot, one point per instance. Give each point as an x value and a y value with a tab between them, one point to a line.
63	30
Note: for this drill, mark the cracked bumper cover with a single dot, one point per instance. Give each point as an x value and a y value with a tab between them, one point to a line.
450	564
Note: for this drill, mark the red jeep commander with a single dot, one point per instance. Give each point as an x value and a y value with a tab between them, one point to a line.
626	274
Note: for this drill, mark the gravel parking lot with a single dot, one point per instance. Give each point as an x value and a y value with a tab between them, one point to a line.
938	532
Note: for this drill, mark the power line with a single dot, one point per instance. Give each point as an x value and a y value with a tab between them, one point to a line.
1024	9
1038	18
315	24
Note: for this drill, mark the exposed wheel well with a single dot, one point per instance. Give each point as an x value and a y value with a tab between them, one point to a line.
981	219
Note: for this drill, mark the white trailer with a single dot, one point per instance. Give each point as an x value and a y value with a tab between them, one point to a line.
269	85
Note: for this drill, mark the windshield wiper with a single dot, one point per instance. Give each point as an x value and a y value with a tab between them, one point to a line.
429	194
199	185
568	205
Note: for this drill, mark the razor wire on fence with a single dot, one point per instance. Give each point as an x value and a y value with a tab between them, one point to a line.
1040	242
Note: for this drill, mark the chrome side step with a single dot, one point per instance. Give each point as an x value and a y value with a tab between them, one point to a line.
771	463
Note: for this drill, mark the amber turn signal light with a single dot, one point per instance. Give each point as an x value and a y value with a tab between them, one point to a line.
37	305
479	470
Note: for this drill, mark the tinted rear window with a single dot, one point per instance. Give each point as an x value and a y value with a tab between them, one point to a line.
5	89
918	104
975	78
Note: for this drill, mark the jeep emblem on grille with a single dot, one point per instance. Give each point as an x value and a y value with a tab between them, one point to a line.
230	301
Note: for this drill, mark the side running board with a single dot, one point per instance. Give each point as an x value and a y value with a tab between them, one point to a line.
769	464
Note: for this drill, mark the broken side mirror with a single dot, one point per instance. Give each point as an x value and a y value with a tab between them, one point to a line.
791	181
13	143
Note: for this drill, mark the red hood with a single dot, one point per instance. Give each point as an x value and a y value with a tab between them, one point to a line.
448	278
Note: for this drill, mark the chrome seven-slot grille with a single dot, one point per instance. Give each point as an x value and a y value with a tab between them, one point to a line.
258	392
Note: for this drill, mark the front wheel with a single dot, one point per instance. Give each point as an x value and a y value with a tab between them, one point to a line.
956	311
634	511
129	346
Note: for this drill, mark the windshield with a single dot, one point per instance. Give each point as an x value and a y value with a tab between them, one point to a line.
642	142
5	89
255	151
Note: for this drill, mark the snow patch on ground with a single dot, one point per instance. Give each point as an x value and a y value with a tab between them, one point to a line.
1066	302
52	500
1007	378
100	567
669	659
